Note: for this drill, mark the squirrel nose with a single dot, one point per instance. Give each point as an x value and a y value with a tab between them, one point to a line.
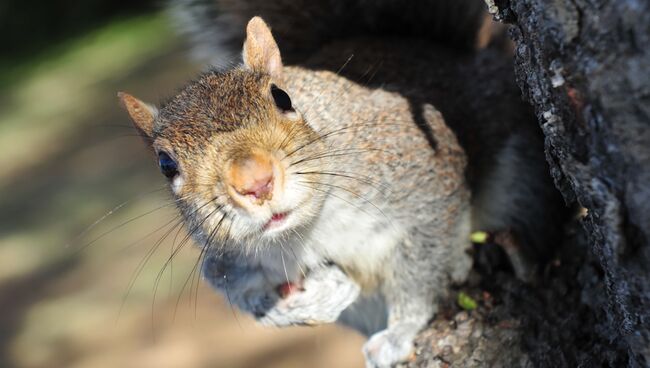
253	177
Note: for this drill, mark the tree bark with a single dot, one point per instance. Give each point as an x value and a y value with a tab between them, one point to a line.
585	67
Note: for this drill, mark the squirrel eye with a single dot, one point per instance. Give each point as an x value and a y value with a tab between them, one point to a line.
168	166
281	98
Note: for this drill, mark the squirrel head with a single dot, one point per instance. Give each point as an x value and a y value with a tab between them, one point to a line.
229	144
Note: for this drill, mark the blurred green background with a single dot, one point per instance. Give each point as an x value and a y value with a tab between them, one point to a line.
71	298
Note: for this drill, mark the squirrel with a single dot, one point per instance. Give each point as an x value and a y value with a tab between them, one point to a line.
345	188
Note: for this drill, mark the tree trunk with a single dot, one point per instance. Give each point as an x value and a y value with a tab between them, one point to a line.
585	67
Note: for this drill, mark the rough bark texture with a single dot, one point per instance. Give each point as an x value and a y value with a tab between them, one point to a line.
585	67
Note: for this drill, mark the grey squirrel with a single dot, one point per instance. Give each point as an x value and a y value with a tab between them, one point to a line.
344	189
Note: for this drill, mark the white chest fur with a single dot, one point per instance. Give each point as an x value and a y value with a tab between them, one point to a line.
354	236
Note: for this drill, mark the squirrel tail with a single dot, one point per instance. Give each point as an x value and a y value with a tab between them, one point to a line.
215	28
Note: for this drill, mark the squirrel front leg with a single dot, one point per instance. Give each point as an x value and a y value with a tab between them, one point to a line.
242	282
410	301
320	298
419	276
324	293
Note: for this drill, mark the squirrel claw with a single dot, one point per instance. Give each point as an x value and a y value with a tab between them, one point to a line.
287	288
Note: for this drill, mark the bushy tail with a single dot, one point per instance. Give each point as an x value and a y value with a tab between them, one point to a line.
216	27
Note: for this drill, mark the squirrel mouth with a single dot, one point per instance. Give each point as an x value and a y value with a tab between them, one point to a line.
276	220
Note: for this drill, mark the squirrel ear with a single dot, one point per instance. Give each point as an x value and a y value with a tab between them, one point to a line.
142	114
261	53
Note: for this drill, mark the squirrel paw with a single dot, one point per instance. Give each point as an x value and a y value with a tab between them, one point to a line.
325	293
388	347
258	302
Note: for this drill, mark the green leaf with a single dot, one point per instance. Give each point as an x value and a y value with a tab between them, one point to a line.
466	302
479	237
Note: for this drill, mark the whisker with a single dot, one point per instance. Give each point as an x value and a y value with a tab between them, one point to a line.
208	240
189	234
338	96
142	264
382	188
343	199
98	126
342	130
345	64
302	243
149	254
101	236
318	138
354	194
363	75
334	153
201	259
284	265
110	213
232	309
175	252
346	90
171	269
